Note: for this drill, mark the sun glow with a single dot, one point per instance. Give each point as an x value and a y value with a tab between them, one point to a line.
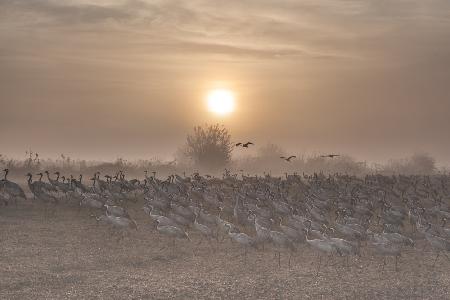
221	101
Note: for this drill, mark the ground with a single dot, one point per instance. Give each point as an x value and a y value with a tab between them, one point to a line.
69	256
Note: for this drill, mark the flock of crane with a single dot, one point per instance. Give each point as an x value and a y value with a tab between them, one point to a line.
336	215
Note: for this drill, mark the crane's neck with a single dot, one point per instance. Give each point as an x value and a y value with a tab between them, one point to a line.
40	178
57	177
30	180
307	235
6	174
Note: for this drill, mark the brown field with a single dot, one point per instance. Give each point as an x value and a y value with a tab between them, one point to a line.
69	256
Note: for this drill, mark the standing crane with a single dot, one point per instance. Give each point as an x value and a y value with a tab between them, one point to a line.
11	189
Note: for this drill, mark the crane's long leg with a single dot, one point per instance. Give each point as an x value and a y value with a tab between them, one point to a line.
435	260
424	247
328	260
117	234
318	257
245	255
318	267
343	261
210	244
279	259
446	256
396	263
384	264
216	236
223	238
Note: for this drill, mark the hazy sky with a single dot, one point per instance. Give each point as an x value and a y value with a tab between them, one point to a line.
102	79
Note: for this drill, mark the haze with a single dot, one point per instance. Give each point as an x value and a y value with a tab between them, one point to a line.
103	79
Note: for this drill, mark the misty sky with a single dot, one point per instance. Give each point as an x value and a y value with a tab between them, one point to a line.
103	79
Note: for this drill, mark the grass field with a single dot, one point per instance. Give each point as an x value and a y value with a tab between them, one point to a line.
69	256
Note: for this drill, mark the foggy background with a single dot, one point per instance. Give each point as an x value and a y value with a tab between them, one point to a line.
107	79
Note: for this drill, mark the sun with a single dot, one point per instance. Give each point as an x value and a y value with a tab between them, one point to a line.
221	101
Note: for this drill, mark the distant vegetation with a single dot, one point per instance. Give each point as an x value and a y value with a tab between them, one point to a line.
258	164
209	149
267	160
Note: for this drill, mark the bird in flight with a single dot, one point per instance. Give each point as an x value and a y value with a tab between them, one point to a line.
288	159
330	155
244	145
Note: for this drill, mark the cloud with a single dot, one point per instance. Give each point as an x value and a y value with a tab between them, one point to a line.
69	13
321	28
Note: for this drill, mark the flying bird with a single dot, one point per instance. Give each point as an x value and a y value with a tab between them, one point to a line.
330	155
243	145
288	159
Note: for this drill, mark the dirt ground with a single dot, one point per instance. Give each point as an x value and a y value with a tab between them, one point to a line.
69	256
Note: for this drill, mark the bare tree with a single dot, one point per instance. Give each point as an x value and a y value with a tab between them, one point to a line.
209	146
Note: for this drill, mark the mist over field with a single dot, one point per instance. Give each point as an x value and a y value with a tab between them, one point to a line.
266	160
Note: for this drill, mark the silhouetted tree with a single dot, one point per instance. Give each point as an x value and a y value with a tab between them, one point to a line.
422	163
209	146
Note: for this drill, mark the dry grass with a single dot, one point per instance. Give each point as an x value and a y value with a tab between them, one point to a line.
69	256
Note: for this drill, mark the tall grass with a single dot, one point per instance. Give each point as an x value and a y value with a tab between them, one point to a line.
266	160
